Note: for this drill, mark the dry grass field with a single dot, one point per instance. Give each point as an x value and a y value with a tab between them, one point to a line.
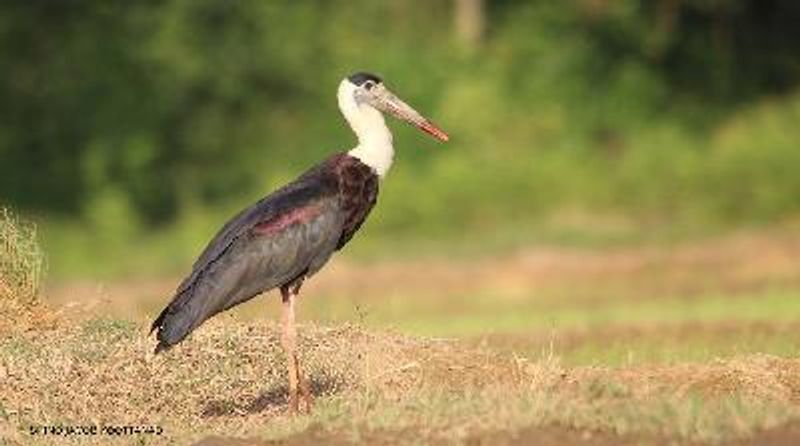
689	344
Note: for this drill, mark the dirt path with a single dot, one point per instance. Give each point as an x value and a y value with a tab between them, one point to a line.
539	436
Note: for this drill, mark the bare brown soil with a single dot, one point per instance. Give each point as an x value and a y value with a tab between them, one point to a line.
788	435
532	436
15	317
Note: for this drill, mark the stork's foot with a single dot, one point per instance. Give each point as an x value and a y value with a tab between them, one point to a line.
300	397
301	400
294	403
306	398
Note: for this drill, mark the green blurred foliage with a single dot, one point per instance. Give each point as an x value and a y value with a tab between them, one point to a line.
120	119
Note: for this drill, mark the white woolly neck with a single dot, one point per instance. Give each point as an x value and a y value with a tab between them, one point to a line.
374	147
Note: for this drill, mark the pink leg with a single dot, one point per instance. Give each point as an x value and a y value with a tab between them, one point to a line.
303	399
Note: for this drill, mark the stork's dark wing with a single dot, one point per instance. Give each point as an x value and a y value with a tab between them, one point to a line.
280	238
312	186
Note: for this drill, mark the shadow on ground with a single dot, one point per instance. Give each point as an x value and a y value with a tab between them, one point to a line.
276	398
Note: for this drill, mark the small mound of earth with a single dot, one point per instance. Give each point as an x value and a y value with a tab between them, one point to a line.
227	377
16	318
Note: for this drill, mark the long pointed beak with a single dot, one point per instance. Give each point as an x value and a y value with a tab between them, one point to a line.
386	101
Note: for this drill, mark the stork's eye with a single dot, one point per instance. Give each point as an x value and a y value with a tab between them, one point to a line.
369	84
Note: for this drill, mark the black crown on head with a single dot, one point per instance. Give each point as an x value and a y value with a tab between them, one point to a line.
360	77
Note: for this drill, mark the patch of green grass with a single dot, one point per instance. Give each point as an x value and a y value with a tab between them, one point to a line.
476	314
108	328
19	347
98	338
666	346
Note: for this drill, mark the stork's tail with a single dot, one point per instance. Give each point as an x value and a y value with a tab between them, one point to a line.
158	324
176	321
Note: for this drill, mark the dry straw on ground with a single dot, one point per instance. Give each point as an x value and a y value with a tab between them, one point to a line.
229	379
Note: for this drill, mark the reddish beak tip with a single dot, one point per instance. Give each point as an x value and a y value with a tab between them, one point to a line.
431	129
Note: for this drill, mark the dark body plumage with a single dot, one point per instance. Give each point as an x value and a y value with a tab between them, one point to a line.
277	242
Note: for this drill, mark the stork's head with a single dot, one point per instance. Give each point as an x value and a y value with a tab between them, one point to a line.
362	94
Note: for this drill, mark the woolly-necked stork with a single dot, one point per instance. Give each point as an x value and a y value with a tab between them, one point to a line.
290	234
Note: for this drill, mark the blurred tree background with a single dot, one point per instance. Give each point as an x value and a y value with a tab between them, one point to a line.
132	130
